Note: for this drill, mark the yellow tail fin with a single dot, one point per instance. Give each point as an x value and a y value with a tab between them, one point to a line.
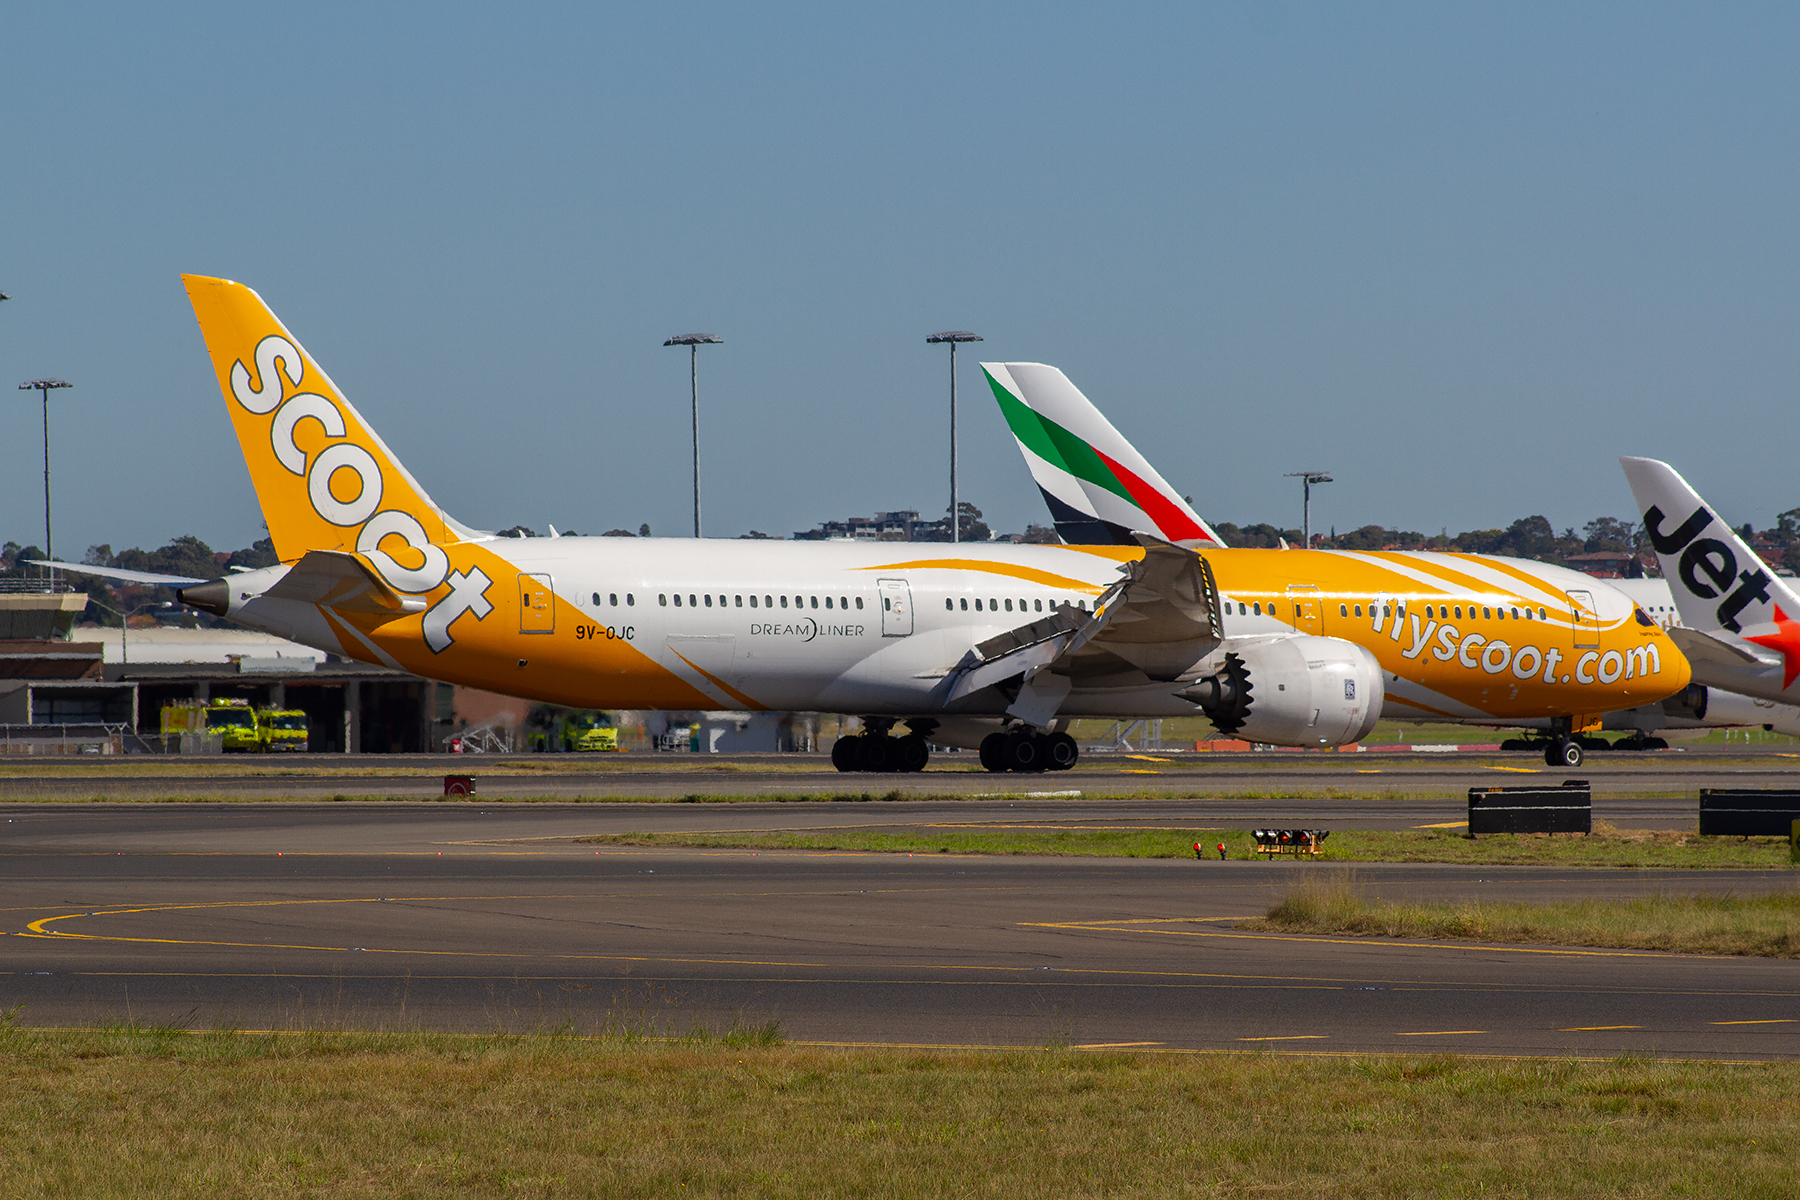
323	477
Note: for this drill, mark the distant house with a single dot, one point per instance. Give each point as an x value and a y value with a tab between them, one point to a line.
901	525
1603	564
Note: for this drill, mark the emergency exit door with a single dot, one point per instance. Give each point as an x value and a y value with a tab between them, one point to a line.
1303	600
1587	625
537	604
896	607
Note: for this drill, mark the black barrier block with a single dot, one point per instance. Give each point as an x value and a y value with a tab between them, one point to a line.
1747	812
1565	809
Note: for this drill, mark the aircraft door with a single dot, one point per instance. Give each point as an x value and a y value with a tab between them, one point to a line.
537	604
1587	625
896	607
1305	609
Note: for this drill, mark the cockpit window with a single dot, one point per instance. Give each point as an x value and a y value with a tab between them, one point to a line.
1643	618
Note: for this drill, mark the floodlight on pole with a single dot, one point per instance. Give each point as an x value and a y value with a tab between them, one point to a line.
953	336
693	341
1309	478
44	387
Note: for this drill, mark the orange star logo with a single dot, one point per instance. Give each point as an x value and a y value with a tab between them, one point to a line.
1786	642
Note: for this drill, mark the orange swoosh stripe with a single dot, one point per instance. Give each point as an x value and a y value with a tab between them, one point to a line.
746	701
1029	574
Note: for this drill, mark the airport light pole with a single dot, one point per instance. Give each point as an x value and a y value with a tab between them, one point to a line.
1308	478
693	341
125	623
44	387
953	336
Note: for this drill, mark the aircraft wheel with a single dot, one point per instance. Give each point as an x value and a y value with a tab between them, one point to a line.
876	754
844	752
911	753
1025	753
993	752
1568	755
1061	752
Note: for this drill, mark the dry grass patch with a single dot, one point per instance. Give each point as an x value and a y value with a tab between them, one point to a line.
1349	845
140	1114
1766	925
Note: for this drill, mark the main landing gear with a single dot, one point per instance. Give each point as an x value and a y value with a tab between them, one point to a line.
879	751
1025	751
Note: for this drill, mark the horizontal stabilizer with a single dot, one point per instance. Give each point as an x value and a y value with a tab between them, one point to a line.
1701	647
341	581
120	573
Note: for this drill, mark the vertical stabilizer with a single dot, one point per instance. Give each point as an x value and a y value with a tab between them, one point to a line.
1099	488
324	478
1718	581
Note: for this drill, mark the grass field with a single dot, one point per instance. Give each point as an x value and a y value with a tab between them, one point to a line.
161	1113
1607	849
1766	926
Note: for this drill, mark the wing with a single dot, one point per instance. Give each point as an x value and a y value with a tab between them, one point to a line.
1155	625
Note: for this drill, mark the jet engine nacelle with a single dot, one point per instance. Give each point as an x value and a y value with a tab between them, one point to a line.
1717	708
1292	691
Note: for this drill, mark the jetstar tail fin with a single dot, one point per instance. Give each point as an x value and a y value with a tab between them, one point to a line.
324	478
1099	488
1717	580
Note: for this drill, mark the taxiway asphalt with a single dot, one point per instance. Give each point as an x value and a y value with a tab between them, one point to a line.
473	917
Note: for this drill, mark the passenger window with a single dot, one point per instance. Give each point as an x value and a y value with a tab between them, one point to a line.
662	598
709	599
1343	610
1459	612
740	600
815	601
1486	613
1515	613
614	598
949	604
965	604
677	599
859	602
799	601
1009	604
1258	607
978	604
596	599
768	602
691	603
843	602
630	599
1359	610
828	602
753	602
1400	611
1038	605
784	602
1541	615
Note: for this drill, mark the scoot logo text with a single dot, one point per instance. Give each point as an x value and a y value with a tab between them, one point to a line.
1494	656
277	357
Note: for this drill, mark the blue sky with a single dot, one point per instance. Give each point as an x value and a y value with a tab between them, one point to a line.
1462	256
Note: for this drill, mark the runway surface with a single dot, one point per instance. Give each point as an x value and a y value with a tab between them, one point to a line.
472	917
1440	776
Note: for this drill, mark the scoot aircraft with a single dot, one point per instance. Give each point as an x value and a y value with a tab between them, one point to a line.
1455	637
1740	622
989	646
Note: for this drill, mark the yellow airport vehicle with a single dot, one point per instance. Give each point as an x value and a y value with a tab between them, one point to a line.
235	723
283	730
